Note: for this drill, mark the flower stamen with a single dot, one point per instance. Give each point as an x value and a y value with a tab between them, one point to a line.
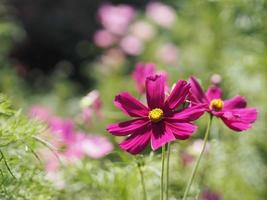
216	104
155	115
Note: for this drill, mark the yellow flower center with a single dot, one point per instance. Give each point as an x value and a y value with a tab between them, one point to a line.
216	104
155	115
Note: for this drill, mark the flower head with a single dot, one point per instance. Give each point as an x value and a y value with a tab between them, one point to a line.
233	112
161	14
159	122
209	195
142	71
40	112
116	19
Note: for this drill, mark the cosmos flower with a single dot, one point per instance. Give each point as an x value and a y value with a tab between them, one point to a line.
71	145
40	112
143	30
233	112
160	122
142	71
103	39
168	53
161	14
116	19
132	45
209	195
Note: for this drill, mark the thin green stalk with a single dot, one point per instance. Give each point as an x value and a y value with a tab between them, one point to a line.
162	173
142	180
193	174
167	169
6	164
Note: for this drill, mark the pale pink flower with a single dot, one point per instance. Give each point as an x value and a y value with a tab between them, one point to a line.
116	19
168	53
96	146
112	58
143	30
91	104
161	14
132	45
71	145
210	195
216	79
104	39
40	112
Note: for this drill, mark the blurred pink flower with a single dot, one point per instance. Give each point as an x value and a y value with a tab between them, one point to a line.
87	115
112	58
104	39
168	53
96	146
216	79
116	19
63	129
143	30
209	195
161	14
40	112
142	71
132	45
91	104
71	145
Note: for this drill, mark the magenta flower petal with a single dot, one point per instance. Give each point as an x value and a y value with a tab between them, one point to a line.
235	102
161	135
188	114
178	94
197	94
155	86
214	92
239	119
138	141
130	105
181	130
125	128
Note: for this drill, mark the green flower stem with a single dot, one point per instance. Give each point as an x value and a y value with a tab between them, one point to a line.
167	169
162	173
142	180
198	160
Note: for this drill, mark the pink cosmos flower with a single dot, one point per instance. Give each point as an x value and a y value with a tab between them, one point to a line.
40	112
168	53
159	121
91	103
233	112
103	39
96	146
116	19
112	59
132	45
161	14
142	71
143	30
72	145
208	195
